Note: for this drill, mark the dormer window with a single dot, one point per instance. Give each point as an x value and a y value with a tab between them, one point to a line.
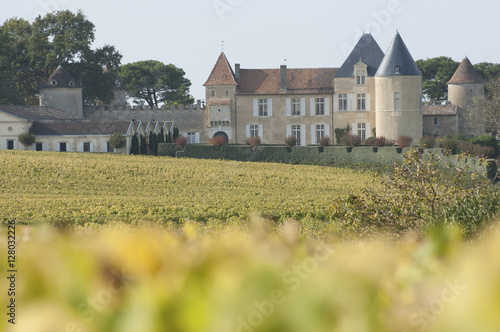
360	77
54	83
71	83
396	70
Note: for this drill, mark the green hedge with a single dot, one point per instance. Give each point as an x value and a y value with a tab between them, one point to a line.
167	149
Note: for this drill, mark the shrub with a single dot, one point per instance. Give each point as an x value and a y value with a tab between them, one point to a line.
27	139
404	141
339	132
370	140
488	140
291	141
117	141
483	151
450	145
350	140
218	141
135	149
324	141
253	141
380	141
428	142
181	142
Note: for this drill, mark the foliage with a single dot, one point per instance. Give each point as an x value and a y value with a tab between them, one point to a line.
477	150
161	136
181	142
153	143
339	132
350	140
487	70
484	114
436	72
26	139
218	140
291	141
450	145
382	141
404	141
154	82
324	141
438	194
135	148
253	141
175	135
428	142
488	140
143	145
117	141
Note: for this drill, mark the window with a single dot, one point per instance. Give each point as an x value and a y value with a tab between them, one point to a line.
397	101
362	131
262	107
227	93
396	70
63	147
320	106
343	102
471	91
320	132
213	93
109	148
10	144
38	146
295	106
191	138
435	121
254	130
361	102
360	77
86	146
296	133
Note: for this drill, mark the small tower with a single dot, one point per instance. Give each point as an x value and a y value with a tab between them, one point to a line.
398	89
63	92
463	88
220	90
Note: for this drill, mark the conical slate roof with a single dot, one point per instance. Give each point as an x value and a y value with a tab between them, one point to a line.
222	74
60	78
368	51
398	61
466	74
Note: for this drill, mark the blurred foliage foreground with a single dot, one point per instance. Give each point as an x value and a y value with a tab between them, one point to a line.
247	278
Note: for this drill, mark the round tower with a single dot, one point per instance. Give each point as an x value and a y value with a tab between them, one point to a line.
398	90
63	92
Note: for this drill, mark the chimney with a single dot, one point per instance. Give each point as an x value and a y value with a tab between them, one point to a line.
237	71
283	78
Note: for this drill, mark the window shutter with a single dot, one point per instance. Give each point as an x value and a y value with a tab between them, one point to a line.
327	131
327	106
81	147
303	134
261	133
247	128
313	134
368	130
91	146
288	107
58	147
302	106
367	101
256	108
335	102
15	144
197	137
269	107
68	147
288	130
185	134
351	102
313	108
354	129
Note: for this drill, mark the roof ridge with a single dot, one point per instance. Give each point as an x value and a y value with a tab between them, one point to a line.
222	73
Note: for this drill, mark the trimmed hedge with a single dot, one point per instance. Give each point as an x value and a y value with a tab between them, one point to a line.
167	149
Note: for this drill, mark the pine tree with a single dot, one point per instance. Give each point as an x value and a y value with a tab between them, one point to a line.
135	145
161	136
143	145
176	134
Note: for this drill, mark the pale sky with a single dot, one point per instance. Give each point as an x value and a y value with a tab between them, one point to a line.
262	33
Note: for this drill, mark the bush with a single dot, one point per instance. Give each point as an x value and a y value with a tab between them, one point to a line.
117	141
324	141
291	141
181	142
380	141
27	139
450	145
218	141
339	132
253	141
370	141
404	141
488	140
350	140
428	142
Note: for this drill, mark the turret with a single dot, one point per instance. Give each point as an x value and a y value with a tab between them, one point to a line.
398	89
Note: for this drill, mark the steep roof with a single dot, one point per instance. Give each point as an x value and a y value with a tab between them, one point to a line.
79	128
222	74
398	56
448	109
368	51
38	113
304	80
60	78
465	74
219	102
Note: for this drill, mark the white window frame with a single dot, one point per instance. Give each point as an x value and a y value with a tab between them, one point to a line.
296	131
296	111
320	132
320	106
191	137
362	131
343	102
360	77
254	131
397	101
361	102
263	107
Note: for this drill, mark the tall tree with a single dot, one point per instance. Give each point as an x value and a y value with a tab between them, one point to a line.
154	82
484	114
436	72
488	70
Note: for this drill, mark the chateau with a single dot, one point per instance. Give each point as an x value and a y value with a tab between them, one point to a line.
373	93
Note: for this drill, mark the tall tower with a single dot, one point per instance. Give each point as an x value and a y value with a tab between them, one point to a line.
463	88
398	90
63	92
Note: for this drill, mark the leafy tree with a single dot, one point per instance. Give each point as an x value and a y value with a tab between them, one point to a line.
135	149
436	72
117	141
27	139
154	82
488	70
484	114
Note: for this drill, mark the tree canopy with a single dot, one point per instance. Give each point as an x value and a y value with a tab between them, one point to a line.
29	53
154	82
436	72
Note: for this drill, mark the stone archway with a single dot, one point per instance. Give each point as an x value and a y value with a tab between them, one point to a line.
223	134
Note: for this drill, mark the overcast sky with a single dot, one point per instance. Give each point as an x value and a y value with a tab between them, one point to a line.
262	33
